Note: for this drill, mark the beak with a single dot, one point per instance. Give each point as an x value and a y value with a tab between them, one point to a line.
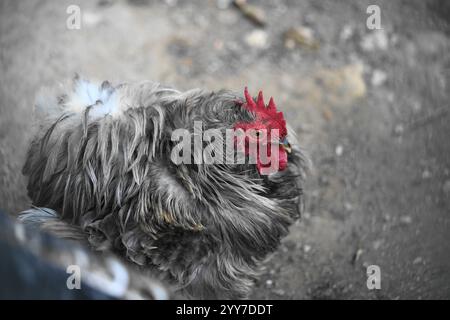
286	145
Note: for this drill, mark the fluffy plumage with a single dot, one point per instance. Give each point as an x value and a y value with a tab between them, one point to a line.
101	159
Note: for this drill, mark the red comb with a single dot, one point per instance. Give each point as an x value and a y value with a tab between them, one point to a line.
264	113
259	106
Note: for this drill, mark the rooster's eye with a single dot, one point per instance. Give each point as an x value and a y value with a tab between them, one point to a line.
258	134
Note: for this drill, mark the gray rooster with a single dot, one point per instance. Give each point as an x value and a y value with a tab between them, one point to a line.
102	159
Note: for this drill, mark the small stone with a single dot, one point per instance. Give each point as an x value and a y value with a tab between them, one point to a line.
375	40
289	44
399	129
346	32
339	150
279	292
417	260
269	283
377	244
306	248
251	12
426	174
257	39
378	78
348	206
358	254
406	219
301	36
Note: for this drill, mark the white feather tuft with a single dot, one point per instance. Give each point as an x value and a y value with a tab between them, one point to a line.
102	98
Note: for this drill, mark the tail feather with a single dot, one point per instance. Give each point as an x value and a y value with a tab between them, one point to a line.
48	220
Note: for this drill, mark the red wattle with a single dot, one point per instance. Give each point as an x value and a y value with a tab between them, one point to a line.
283	159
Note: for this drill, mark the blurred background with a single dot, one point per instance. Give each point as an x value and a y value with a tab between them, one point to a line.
371	107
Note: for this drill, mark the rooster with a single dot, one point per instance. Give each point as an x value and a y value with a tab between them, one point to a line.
101	161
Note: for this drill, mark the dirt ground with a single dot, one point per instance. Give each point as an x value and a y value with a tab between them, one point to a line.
369	106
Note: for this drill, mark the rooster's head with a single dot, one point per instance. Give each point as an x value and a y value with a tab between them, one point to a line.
267	130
